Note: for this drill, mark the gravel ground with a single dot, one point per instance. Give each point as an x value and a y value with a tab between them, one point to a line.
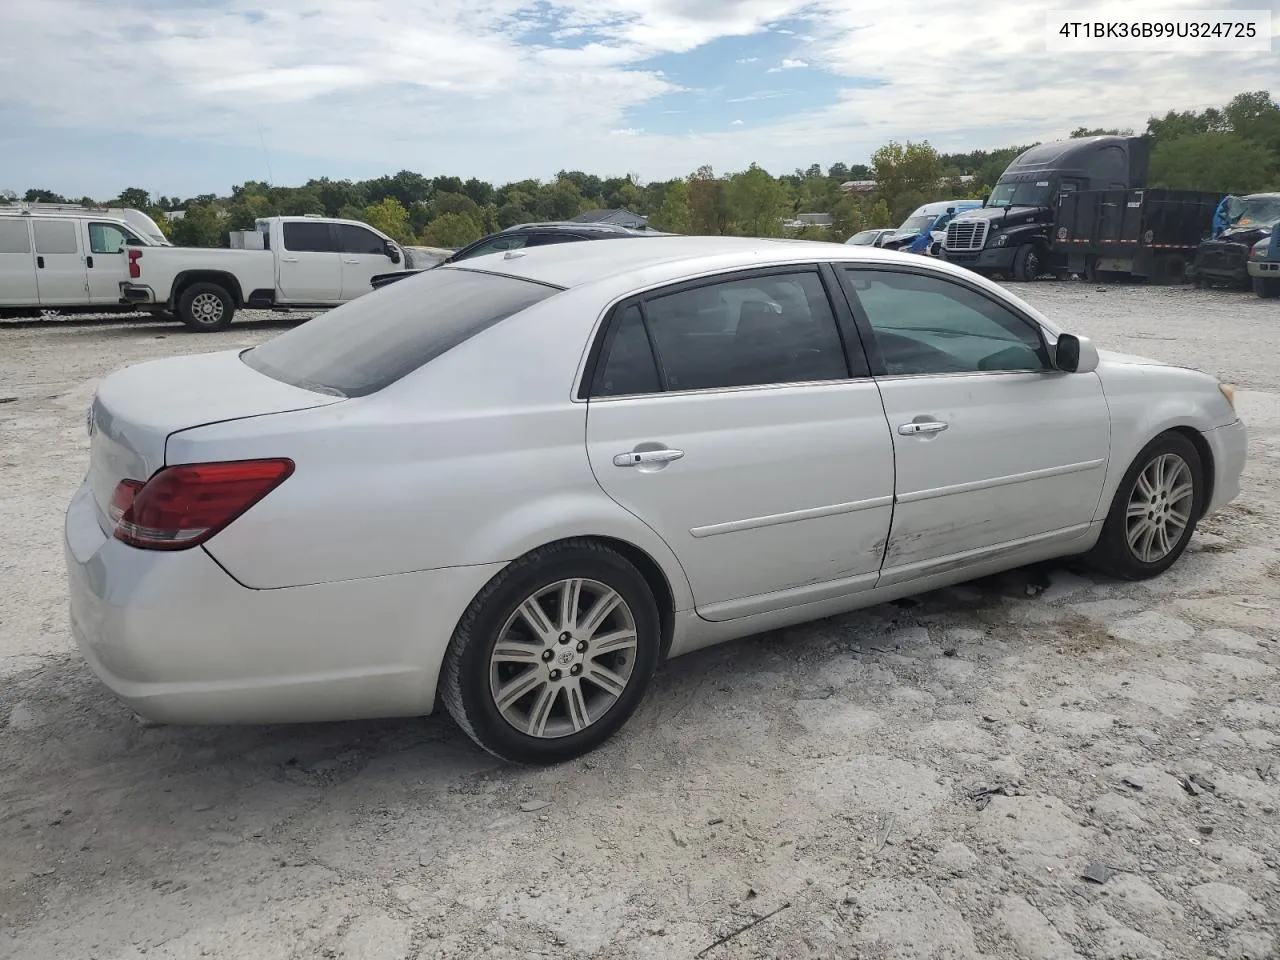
928	779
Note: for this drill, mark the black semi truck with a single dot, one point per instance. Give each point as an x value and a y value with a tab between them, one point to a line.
1080	206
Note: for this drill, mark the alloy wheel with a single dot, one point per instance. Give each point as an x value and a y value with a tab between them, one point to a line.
563	658
1159	507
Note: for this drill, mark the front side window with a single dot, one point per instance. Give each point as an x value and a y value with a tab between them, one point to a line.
359	240
760	330
932	325
106	238
508	241
302	236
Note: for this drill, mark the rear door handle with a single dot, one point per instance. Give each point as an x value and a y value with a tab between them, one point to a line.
634	457
350	261
40	262
289	259
88	262
925	426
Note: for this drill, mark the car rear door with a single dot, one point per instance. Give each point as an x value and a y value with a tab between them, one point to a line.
993	447
736	418
17	264
309	266
364	254
60	262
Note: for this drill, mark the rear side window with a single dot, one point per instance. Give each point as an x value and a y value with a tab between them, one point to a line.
629	367
308	237
56	236
374	340
13	237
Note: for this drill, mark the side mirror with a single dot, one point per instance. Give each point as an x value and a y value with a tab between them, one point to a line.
392	253
1075	354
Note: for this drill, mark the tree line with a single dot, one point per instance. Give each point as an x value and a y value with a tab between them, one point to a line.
1232	149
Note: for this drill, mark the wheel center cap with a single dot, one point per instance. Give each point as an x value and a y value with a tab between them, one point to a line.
566	657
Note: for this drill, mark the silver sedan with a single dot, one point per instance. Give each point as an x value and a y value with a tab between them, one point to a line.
515	485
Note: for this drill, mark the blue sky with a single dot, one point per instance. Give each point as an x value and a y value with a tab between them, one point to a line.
192	96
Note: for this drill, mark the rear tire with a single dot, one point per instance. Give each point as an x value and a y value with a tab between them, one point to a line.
206	306
566	705
1266	287
1145	533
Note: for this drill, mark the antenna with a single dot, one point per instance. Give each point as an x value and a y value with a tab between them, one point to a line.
265	155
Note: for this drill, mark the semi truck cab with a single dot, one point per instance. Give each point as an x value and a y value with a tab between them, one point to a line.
1010	234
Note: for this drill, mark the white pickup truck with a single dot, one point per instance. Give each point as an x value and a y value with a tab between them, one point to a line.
304	263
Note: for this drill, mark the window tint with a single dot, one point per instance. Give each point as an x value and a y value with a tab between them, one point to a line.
307	237
106	238
761	330
14	237
628	366
374	340
509	241
359	240
929	325
56	236
543	239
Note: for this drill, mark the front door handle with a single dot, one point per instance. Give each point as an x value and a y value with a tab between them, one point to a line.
924	426
88	262
40	262
634	457
288	259
350	261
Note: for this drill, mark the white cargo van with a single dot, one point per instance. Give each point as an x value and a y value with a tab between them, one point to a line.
68	259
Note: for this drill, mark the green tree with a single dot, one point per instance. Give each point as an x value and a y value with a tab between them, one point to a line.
200	226
43	196
675	215
559	201
134	197
1212	161
451	230
389	216
447	202
847	218
757	202
708	205
901	169
1255	116
510	214
1079	132
879	216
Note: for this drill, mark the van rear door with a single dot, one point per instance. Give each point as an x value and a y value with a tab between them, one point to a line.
17	264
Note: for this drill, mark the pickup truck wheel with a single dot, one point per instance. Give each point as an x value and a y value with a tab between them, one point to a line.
206	306
1266	287
1026	263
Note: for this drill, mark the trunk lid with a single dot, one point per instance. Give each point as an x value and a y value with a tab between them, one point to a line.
136	410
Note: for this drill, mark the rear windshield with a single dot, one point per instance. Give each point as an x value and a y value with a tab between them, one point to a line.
374	340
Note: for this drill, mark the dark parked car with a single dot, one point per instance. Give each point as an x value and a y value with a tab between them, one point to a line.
1224	260
527	235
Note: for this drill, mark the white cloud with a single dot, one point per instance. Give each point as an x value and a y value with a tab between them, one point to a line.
490	88
736	123
747	60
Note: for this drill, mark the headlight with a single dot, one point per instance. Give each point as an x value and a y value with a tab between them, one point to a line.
1260	248
1002	240
1228	391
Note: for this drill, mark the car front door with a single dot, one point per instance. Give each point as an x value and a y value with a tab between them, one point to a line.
310	266
729	416
994	448
17	264
60	262
364	254
106	262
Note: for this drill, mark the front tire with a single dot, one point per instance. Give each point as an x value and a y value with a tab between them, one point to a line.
1154	511
1026	263
206	306
1266	287
554	655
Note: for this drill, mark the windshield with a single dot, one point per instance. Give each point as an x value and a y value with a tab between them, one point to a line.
918	223
864	238
1259	211
379	337
1025	193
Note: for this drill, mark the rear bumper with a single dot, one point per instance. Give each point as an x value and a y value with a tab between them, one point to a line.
1230	448
136	293
178	640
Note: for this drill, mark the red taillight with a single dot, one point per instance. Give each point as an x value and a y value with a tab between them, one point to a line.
185	505
135	271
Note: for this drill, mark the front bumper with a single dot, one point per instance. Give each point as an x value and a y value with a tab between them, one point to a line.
998	259
175	637
1220	261
1266	269
1229	446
